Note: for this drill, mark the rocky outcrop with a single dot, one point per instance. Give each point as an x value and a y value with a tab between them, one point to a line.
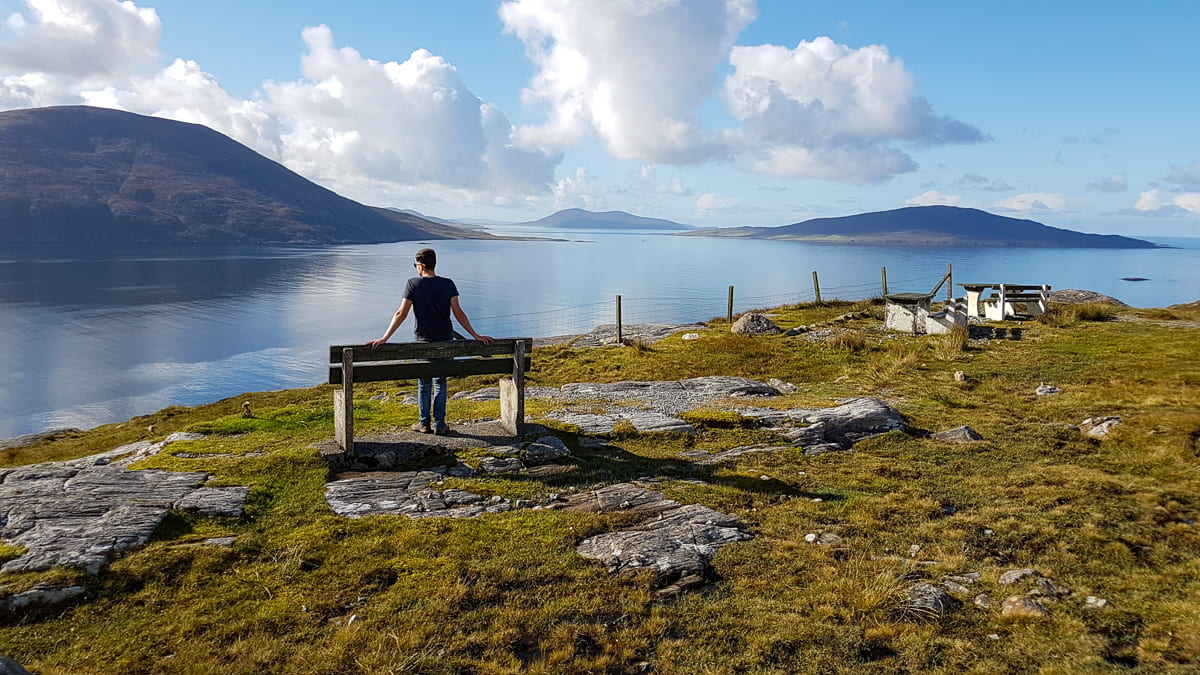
676	541
1098	427
1077	296
85	512
416	494
755	324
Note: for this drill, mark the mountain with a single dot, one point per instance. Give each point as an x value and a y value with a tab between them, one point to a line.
929	226
82	174
608	220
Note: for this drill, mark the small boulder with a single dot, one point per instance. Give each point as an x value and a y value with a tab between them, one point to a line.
1094	602
928	599
1098	427
1013	576
983	600
546	449
1047	390
10	667
183	436
691	336
500	465
755	324
1023	605
963	434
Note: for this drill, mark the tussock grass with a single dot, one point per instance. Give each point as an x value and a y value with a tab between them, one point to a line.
950	346
305	591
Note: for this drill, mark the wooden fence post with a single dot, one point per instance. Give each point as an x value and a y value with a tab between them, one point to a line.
949	281
883	274
729	307
816	287
619	341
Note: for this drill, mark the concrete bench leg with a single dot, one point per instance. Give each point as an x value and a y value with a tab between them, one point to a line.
343	420
512	407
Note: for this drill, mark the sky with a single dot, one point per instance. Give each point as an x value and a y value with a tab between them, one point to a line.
1076	114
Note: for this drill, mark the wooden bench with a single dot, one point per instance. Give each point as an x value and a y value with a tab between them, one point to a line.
414	360
1003	302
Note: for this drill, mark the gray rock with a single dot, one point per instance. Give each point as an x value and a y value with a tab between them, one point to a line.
983	600
672	539
969	578
1073	295
705	458
385	397
1093	602
755	324
1047	390
222	542
691	336
606	334
1023	605
1050	588
407	493
546	449
29	439
84	512
954	586
925	598
485	394
179	436
500	465
504	451
224	502
791	332
42	595
782	387
642	421
1098	427
460	470
963	434
1014	576
10	667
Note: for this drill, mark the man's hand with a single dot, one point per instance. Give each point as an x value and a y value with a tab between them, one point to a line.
375	343
485	339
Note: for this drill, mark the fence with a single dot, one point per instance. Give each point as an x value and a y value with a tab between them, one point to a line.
624	311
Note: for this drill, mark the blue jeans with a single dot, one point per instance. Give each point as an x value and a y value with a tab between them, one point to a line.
436	387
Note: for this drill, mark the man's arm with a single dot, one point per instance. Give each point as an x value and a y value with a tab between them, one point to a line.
397	319
463	321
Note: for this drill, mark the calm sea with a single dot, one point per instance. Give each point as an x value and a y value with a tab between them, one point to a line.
93	335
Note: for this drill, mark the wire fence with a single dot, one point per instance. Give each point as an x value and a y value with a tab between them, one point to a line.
579	319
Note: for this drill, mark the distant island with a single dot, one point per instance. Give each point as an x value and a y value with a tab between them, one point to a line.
929	226
93	175
607	220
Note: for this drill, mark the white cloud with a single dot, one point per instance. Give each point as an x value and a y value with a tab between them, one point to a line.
1151	202
1147	201
647	181
581	190
933	197
1033	201
1113	182
361	127
825	110
711	202
80	38
635	73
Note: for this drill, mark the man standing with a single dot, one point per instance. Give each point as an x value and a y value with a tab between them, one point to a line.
432	299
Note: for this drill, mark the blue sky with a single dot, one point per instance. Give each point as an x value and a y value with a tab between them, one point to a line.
711	112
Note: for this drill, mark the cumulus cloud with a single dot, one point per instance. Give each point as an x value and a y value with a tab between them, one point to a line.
933	198
1113	182
711	203
1033	201
1151	202
635	73
362	127
581	190
825	110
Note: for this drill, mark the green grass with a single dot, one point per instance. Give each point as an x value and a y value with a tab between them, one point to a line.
506	593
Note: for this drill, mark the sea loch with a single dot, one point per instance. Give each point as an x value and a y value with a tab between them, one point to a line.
130	330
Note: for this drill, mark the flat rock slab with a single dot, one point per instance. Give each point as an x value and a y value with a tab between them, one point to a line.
604	423
416	494
85	512
673	539
393	450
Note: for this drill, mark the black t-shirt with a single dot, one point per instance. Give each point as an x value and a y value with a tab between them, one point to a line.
430	297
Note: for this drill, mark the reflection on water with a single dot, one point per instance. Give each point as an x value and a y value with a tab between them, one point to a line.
94	335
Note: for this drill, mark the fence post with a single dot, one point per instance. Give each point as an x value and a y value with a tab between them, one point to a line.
619	341
816	287
949	281
883	274
729	307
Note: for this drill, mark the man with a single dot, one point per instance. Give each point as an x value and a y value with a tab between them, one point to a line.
432	299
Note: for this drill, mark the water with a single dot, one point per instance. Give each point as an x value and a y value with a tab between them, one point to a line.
95	335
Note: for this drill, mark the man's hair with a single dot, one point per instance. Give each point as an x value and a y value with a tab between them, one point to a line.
427	257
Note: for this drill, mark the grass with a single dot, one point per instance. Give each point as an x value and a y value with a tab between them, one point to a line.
306	591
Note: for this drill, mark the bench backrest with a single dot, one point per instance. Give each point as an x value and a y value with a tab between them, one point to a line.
413	360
